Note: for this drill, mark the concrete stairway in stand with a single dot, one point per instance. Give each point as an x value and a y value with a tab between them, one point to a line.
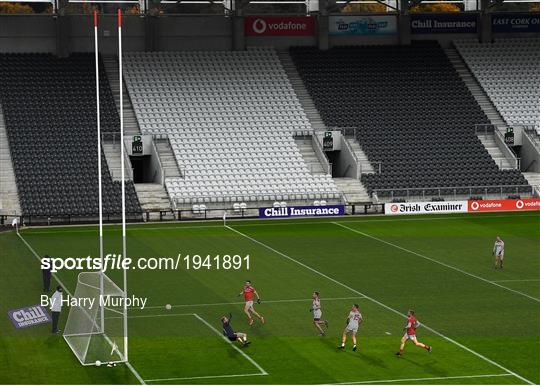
488	140
474	87
533	178
154	198
167	158
352	189
301	92
308	154
9	198
131	125
111	149
362	158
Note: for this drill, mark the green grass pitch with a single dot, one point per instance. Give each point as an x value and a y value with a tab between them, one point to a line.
483	324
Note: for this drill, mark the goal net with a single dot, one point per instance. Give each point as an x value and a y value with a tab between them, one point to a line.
95	328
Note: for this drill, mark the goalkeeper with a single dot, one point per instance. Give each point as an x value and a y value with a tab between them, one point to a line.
229	332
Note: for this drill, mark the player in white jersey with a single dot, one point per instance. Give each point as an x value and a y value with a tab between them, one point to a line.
317	314
498	252
353	322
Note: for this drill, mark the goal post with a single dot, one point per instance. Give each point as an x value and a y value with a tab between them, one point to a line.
95	329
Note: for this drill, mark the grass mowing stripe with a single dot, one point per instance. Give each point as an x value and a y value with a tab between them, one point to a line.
380	304
267	222
251	360
426	379
204	377
129	366
266	301
436	261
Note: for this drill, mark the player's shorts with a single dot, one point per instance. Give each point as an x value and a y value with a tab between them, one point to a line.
317	314
353	329
411	337
232	338
249	304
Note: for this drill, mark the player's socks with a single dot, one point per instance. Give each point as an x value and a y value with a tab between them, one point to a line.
428	348
354	348
342	346
262	320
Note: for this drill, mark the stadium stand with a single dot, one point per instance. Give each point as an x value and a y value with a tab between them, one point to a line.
411	110
231	118
509	72
50	117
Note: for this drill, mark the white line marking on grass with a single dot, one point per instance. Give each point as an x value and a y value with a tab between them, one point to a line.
129	366
267	222
380	304
512	280
205	377
425	379
436	261
148	316
251	360
265	301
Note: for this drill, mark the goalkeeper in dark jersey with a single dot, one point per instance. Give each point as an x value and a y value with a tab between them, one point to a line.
229	332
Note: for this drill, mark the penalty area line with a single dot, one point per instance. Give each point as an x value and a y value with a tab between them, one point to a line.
205	377
251	360
448	339
264	302
425	379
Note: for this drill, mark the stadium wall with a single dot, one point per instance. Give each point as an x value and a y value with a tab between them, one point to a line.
74	33
27	33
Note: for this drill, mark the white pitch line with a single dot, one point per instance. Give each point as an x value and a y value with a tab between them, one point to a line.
380	304
129	366
513	280
424	379
204	377
436	261
264	302
251	360
148	316
268	222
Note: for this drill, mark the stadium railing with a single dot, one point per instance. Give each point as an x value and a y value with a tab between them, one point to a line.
166	216
455	192
497	131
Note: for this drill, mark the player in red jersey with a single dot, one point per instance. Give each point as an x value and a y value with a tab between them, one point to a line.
410	333
248	291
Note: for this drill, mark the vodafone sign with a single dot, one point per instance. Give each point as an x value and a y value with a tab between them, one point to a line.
279	26
503	205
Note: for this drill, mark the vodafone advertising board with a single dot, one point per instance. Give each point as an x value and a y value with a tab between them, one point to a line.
470	206
279	26
504	205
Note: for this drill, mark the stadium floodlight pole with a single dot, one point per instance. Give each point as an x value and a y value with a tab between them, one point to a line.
122	156
100	195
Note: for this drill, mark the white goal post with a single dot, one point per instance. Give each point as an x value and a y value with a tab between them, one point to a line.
97	328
